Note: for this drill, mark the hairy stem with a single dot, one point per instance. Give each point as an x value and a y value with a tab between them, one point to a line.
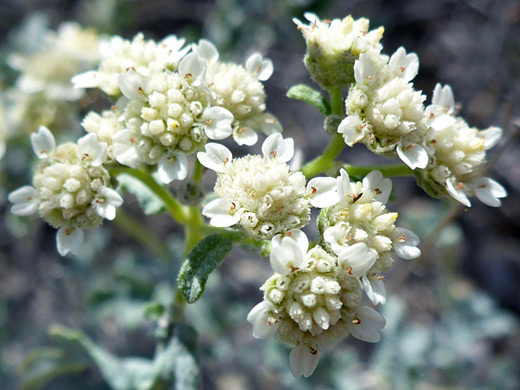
325	162
387	170
174	208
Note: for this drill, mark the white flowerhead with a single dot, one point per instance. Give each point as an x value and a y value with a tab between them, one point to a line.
206	50
260	193
457	154
314	304
217	121
361	232
288	255
173	166
70	190
239	90
145	58
384	111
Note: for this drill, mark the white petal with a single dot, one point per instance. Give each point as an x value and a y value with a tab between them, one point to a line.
358	258
442	121
216	157
193	68
24	202
89	148
379	185
375	289
69	239
43	142
352	129
303	360
258	317
86	80
489	191
263	69
219	211
275	146
173	167
404	65
207	51
413	155
296	235
132	85
334	235
364	71
217	121
124	146
322	192
270	125
406	243
245	136
457	194
491	136
368	325
287	257
443	97
107	202
343	185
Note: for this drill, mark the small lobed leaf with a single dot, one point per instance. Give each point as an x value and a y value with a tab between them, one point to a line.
202	260
310	96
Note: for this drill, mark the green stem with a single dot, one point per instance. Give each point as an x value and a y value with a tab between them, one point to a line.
135	229
198	171
387	170
174	208
325	162
193	229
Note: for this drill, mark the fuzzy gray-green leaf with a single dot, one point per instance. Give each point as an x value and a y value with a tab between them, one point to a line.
311	96
202	260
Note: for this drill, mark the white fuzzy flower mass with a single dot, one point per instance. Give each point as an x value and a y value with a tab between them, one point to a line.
260	193
458	153
118	55
384	111
361	232
70	188
314	304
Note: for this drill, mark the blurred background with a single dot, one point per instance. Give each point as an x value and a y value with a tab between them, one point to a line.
452	315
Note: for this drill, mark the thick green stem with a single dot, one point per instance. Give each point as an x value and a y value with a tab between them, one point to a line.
198	171
325	162
387	170
135	229
174	208
193	229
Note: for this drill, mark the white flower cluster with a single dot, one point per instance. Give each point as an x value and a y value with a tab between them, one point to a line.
333	46
383	110
260	193
70	188
386	113
173	101
315	296
105	126
64	53
458	153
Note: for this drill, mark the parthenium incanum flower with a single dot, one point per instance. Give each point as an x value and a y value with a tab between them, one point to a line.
384	111
167	116
66	52
362	233
458	154
144	57
70	188
315	301
239	89
105	126
334	46
260	193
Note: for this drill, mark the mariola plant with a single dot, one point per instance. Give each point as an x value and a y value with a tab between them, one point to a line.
175	104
